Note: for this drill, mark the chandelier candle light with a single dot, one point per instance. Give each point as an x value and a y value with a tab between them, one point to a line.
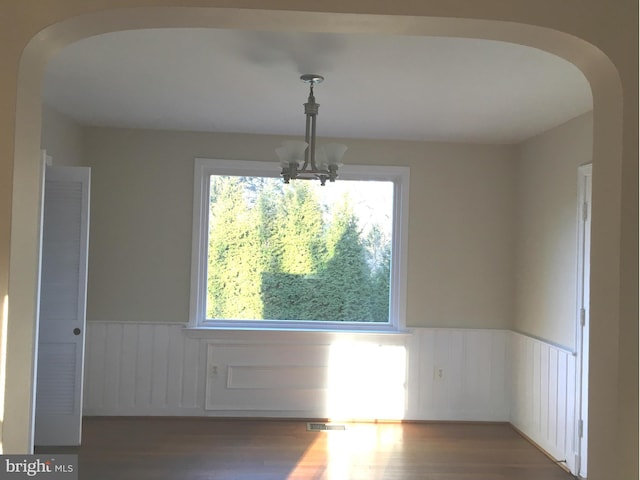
322	163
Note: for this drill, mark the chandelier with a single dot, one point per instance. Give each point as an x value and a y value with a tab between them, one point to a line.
321	163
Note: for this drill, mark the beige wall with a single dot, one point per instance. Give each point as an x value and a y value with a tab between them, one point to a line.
461	218
61	138
546	260
601	41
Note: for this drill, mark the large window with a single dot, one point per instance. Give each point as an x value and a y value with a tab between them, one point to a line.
297	256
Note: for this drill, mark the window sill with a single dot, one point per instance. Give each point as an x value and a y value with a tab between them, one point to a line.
285	335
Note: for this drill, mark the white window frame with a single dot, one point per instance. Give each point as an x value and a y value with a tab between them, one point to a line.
204	167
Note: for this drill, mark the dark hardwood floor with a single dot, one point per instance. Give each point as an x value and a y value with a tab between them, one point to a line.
215	449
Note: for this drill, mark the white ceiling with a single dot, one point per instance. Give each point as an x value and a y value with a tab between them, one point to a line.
376	86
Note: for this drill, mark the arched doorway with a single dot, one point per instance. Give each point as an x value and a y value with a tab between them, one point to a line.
25	211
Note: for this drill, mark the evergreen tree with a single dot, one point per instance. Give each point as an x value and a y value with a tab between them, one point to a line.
233	273
303	230
270	218
346	277
295	261
378	248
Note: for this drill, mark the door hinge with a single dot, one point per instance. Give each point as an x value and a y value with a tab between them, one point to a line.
585	211
580	428
583	317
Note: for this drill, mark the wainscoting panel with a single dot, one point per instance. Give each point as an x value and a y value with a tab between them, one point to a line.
427	374
543	395
462	374
143	369
340	379
289	379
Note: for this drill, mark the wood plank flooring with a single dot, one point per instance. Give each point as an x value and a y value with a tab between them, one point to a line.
220	449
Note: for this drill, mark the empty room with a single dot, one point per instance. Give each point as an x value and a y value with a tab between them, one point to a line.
276	254
475	179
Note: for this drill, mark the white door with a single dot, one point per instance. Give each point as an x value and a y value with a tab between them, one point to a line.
65	235
584	271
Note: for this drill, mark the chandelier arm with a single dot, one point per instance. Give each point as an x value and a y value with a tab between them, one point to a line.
312	145
307	130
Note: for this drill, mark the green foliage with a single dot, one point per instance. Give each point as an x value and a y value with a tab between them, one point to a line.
302	241
233	274
346	277
379	260
275	253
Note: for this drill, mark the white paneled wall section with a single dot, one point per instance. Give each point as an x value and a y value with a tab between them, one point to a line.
143	369
543	395
427	374
461	374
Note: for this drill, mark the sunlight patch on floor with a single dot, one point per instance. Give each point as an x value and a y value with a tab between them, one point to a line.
360	449
365	448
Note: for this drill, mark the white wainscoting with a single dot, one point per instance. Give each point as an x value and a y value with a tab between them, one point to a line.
543	395
462	374
324	376
142	369
428	374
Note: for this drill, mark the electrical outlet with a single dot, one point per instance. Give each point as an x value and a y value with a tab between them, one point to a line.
213	369
438	373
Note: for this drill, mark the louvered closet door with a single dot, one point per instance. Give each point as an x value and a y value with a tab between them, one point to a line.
62	306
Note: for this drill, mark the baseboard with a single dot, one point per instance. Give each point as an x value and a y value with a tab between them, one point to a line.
561	463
